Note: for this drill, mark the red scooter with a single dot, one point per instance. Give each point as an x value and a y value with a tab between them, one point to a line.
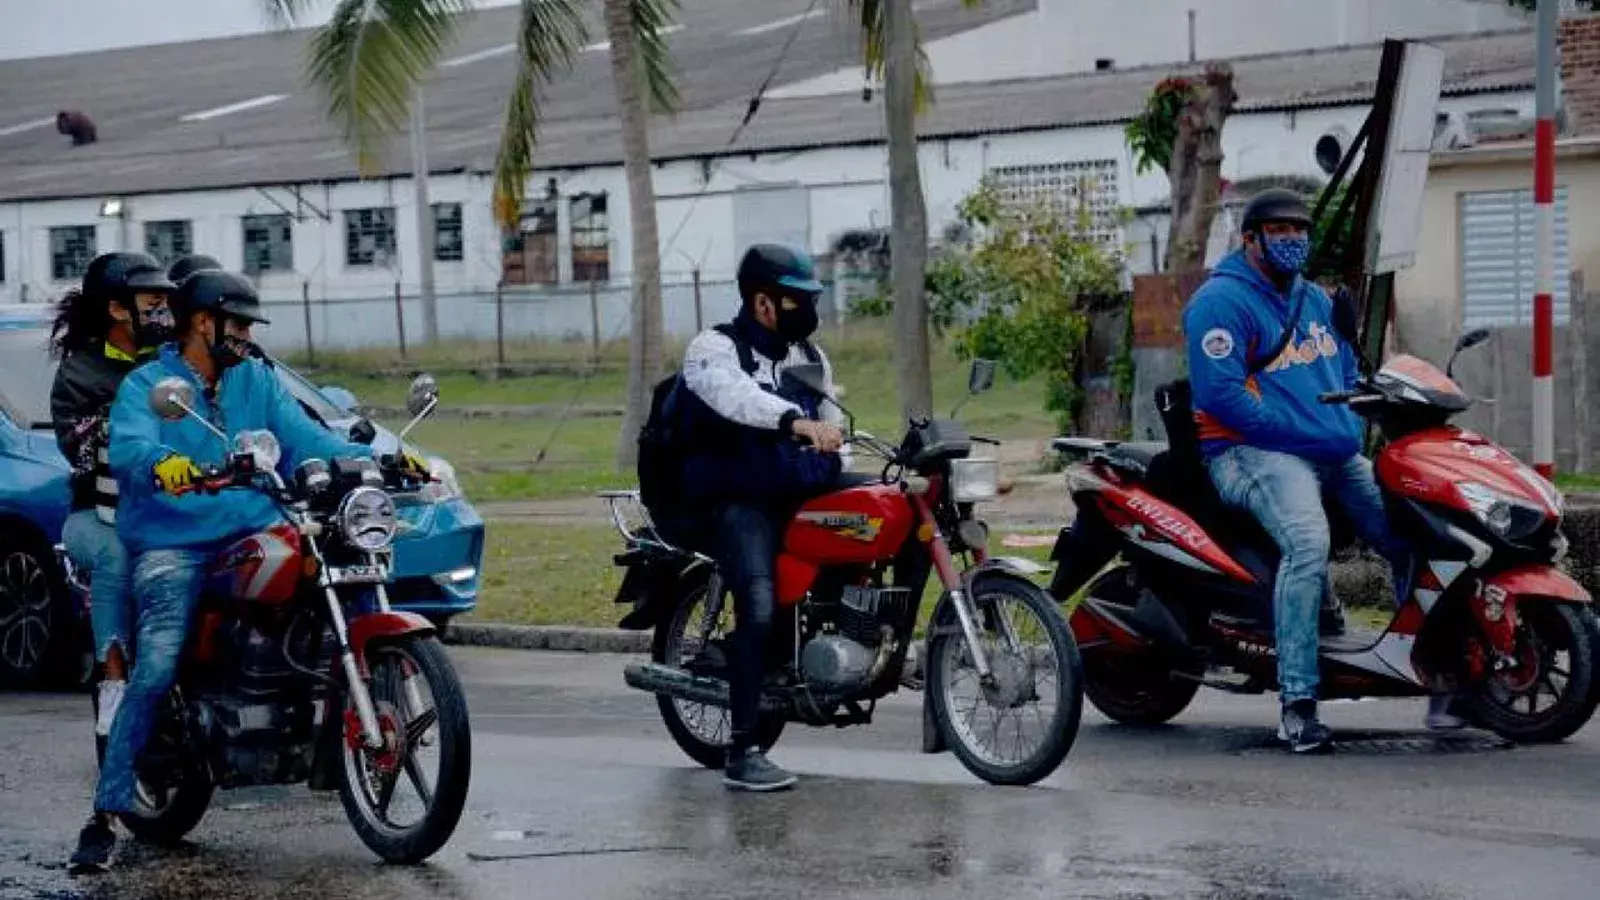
1170	590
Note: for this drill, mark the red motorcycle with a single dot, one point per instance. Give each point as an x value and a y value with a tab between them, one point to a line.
278	686
1188	600
1003	674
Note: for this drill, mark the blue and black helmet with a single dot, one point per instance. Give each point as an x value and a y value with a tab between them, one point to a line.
778	269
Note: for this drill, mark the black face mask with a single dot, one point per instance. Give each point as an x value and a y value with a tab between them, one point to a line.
150	329
227	350
795	325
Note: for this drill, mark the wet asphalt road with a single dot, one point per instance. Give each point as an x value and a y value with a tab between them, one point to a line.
578	793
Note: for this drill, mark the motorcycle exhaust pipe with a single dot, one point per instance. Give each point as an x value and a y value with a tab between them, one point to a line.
655	678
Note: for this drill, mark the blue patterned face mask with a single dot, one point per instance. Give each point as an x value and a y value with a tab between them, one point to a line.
1288	255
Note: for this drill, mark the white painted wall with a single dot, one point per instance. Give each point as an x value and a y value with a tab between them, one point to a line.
1064	36
847	188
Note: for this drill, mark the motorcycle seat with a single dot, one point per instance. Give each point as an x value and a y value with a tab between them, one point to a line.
1137	456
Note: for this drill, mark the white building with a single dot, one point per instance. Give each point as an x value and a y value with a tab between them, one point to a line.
246	168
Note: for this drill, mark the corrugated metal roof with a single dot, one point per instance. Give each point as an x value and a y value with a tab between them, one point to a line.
138	96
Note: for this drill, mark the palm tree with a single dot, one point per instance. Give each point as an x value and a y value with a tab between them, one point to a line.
372	55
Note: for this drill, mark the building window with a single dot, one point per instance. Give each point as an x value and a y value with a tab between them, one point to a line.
447	243
1498	262
1067	189
369	236
71	248
268	244
591	238
530	254
167	241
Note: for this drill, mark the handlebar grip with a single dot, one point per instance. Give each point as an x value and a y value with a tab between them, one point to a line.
1333	397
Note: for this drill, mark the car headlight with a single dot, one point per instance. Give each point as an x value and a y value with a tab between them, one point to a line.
444	485
367	519
1512	518
972	480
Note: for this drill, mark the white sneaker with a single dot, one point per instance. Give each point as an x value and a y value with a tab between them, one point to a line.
1440	718
110	698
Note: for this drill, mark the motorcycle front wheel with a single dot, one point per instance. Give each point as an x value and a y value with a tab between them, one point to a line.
1554	688
400	810
1018	727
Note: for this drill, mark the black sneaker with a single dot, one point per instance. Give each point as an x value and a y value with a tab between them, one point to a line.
1302	730
95	843
750	770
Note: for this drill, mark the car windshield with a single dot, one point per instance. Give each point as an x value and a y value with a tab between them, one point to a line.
26	373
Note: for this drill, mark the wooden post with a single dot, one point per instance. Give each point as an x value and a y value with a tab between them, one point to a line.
400	319
500	322
698	326
594	317
305	304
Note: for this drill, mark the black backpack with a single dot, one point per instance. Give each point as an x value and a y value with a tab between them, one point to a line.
665	442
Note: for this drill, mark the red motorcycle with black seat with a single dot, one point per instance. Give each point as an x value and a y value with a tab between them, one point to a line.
296	669
1002	670
1171	591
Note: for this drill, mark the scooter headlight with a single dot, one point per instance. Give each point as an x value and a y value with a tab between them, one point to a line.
972	480
367	519
1511	518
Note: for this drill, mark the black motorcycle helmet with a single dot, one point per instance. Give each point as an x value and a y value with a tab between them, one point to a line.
1275	205
185	266
116	278
777	269
219	293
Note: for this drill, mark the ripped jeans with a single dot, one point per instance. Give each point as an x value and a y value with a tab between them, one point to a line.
166	589
94	547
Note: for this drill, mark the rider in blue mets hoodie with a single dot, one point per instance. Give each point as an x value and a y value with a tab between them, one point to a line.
1271	446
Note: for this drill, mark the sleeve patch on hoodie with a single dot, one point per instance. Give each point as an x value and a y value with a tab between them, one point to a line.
1218	343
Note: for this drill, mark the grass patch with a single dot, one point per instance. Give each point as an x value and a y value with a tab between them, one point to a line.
1577	482
540	574
498	459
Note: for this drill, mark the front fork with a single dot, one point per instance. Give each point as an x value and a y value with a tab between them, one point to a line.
957	584
366	712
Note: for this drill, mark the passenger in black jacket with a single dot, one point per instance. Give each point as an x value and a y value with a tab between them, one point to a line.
101	332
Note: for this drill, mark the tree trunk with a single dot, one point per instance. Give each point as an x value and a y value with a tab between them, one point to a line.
908	238
1196	170
644	348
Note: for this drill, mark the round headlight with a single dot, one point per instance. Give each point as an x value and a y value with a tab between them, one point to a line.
367	519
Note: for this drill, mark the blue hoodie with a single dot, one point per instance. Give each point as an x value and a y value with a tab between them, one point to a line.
1236	315
251	398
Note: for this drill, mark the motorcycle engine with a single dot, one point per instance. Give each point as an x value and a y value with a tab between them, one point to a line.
848	657
255	743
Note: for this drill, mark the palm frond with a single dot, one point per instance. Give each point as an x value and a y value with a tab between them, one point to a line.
285	13
549	35
369	59
869	14
650	17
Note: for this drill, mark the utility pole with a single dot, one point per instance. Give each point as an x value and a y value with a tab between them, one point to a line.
1544	199
419	179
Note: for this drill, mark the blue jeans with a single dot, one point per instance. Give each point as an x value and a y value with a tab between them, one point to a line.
746	550
166	588
94	547
1285	494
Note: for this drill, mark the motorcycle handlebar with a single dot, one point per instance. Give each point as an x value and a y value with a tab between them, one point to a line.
1335	397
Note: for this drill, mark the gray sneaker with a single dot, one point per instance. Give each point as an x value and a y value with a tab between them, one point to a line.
1302	730
750	770
1441	717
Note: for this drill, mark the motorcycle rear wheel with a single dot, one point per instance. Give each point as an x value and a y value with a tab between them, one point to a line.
701	731
162	817
371	778
1547	630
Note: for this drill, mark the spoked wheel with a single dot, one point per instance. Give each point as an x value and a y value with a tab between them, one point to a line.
405	798
701	730
169	800
26	615
1017	728
1550	691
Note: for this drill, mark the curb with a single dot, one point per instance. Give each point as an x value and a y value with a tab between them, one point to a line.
566	638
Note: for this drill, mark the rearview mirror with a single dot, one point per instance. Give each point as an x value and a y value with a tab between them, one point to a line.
424	393
171	398
363	432
805	378
981	377
1473	338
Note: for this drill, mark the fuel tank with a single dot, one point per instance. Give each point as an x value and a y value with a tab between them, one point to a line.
264	568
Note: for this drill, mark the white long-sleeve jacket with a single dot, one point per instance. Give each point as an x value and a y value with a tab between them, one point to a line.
711	370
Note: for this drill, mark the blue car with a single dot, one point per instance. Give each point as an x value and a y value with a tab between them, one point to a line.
438	550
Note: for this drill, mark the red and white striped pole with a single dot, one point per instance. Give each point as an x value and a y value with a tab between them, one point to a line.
1544	199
